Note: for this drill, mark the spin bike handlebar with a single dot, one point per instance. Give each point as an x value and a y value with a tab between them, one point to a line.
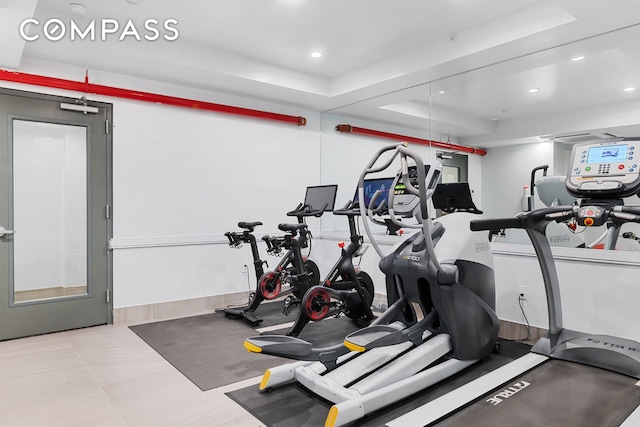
303	210
351	208
238	237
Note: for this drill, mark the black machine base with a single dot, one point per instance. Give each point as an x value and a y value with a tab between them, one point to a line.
240	313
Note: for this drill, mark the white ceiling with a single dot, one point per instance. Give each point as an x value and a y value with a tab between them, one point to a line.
378	58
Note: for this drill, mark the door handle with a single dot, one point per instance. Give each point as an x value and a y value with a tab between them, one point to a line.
4	231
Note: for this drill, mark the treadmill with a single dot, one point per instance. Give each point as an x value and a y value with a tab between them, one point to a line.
569	378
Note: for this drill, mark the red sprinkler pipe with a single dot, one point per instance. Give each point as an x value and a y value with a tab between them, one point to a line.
387	135
86	87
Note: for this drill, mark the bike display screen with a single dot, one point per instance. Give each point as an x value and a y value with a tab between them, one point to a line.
321	196
371	186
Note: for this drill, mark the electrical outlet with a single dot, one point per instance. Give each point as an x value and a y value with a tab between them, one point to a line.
522	292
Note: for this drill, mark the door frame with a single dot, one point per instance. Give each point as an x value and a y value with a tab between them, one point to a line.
108	139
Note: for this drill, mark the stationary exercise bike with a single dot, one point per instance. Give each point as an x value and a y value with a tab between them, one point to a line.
236	239
295	271
441	319
346	289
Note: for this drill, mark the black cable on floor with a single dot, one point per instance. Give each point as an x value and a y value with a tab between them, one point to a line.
520	299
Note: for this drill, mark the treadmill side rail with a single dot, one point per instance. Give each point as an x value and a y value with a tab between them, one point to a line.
457	398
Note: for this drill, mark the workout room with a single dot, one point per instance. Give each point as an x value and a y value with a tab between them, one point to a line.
303	213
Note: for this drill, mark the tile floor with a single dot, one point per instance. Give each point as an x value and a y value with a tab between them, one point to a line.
105	376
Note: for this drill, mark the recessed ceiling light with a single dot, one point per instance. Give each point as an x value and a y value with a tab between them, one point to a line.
577	58
77	8
133	1
629	89
534	90
495	119
441	92
316	55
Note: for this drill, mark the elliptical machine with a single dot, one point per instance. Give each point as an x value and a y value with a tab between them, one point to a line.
440	320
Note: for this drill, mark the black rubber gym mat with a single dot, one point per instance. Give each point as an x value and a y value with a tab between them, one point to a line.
294	406
208	349
556	394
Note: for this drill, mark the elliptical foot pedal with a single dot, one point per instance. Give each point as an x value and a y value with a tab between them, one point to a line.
278	345
372	337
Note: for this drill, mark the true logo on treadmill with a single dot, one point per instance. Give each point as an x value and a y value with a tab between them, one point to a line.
412	258
508	392
611	344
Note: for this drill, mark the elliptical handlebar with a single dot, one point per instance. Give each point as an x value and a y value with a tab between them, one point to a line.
404	153
380	210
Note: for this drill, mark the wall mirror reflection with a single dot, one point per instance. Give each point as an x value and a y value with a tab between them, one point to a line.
527	112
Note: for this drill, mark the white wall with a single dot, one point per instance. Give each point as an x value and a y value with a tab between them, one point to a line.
599	294
182	176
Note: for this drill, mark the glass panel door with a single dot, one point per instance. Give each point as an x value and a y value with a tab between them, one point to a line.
50	211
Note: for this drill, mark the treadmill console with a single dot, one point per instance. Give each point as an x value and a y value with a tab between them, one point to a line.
605	169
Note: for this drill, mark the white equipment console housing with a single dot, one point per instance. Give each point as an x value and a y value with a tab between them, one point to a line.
404	202
605	169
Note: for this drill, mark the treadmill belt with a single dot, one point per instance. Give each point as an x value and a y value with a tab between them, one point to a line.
557	393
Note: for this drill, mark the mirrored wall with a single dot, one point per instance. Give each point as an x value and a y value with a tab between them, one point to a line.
526	112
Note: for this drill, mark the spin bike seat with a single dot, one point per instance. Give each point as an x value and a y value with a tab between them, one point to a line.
249	226
291	227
